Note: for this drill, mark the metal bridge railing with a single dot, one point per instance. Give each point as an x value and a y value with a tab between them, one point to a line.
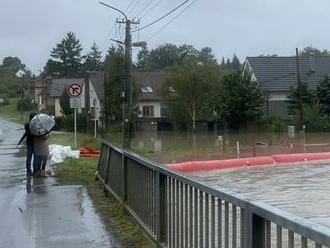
177	211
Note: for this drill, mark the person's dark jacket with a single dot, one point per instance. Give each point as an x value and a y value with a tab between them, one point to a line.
27	135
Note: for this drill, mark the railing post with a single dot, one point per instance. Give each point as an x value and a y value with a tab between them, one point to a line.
124	167
248	227
258	237
108	165
161	208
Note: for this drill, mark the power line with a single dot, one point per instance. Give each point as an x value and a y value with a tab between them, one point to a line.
150	9
144	8
106	41
175	17
161	18
133	7
130	5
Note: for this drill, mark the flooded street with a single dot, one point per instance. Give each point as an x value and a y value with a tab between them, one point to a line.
303	190
37	212
170	147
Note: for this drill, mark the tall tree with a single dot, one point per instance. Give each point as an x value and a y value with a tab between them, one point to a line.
192	83
142	59
114	66
66	58
312	51
323	95
168	55
93	60
236	64
238	99
10	84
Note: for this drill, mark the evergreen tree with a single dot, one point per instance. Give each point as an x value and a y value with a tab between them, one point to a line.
142	59
93	61
114	66
307	98
235	64
66	58
222	61
228	64
323	95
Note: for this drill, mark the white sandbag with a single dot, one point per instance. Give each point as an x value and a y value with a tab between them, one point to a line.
59	153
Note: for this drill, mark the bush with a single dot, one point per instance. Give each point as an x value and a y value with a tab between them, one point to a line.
5	101
66	123
277	124
28	102
314	118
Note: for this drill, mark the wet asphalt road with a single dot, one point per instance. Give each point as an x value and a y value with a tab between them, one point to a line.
38	213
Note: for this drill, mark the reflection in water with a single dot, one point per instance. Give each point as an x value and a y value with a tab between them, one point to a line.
303	190
28	184
36	185
167	147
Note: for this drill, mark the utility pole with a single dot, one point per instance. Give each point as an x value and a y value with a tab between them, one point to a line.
128	92
301	117
128	98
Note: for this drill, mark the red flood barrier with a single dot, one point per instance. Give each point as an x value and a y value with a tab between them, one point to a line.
220	164
300	157
88	151
251	161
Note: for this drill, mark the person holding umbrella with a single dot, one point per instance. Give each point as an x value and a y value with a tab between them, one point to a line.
29	145
41	125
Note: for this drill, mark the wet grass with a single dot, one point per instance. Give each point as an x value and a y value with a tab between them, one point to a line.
11	113
119	223
67	139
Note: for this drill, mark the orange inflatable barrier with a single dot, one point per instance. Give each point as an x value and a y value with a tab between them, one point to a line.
251	161
300	157
221	164
88	151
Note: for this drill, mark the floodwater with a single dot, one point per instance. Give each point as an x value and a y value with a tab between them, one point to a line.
300	189
169	147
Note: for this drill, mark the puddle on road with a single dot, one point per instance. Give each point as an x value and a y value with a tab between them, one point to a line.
301	189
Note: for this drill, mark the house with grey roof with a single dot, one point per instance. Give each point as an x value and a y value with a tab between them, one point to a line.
49	91
152	110
277	74
149	99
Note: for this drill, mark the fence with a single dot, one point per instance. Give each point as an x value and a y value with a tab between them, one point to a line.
177	211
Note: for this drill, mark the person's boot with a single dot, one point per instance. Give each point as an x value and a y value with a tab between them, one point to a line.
43	173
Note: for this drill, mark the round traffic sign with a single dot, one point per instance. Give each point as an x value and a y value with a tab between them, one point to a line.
74	90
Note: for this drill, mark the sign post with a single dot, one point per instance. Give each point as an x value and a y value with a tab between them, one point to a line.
75	128
74	91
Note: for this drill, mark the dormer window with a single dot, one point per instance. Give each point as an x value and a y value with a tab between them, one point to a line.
144	90
147	89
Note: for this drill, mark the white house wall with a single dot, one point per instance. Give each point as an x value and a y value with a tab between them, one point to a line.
94	98
278	97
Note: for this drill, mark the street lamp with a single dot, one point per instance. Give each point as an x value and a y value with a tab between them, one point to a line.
127	110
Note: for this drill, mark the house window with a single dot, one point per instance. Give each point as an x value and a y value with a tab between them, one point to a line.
148	111
147	89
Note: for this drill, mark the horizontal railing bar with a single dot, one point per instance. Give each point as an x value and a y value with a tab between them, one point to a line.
299	225
308	229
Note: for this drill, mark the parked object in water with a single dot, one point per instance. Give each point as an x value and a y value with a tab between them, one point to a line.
41	124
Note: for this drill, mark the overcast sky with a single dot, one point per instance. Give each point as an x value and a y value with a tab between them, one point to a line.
31	28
